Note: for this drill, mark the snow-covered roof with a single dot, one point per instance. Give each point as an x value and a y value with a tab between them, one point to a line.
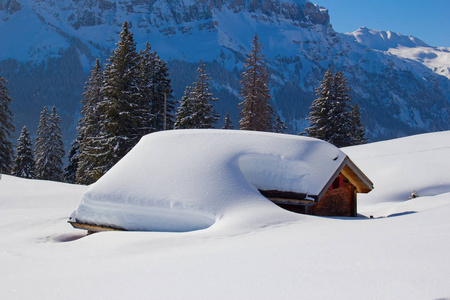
184	180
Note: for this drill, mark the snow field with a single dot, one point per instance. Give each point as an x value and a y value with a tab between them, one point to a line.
259	252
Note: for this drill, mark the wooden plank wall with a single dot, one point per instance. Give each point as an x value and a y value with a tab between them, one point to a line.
339	202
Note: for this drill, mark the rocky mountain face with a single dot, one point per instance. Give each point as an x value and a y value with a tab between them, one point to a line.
401	83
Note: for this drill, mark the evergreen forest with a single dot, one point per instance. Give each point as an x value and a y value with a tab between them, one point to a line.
131	95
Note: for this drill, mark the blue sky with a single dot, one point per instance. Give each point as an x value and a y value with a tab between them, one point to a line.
428	20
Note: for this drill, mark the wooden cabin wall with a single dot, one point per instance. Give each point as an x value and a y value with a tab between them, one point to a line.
294	208
338	202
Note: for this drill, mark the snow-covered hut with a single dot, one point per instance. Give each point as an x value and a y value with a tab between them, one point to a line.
183	180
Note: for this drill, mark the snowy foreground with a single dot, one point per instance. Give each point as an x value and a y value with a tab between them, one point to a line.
261	252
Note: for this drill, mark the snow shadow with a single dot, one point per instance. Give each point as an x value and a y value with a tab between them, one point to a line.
68	237
401	214
433	190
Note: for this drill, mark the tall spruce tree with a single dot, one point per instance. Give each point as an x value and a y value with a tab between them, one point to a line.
204	115
70	172
256	110
330	116
320	108
24	165
358	128
185	111
125	112
49	147
196	109
156	87
341	120
6	129
163	102
43	146
57	147
89	133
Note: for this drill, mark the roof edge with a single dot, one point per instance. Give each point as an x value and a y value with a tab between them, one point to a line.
366	184
362	183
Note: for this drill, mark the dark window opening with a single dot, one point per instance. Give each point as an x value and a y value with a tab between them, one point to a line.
337	183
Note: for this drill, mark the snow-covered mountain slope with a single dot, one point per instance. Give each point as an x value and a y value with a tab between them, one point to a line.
408	47
253	253
52	45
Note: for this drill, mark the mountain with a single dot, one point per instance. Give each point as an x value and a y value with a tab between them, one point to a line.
401	83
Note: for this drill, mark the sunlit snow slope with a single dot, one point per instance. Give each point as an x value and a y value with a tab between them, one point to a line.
255	252
399	167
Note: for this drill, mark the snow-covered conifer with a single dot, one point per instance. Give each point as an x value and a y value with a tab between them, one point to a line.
227	123
70	171
124	112
359	130
279	126
6	129
256	110
156	87
330	117
49	147
24	165
341	121
145	73
204	114
185	111
320	108
196	109
88	129
43	145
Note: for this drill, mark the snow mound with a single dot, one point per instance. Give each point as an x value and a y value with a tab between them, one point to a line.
185	180
399	167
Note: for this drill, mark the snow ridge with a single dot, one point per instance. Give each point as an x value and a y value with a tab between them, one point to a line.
411	48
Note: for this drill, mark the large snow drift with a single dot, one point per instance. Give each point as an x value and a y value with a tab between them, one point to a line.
187	179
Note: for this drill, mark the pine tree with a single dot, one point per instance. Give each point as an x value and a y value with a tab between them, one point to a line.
146	62
57	147
70	171
49	147
43	146
320	108
227	124
156	87
6	129
256	111
125	113
185	111
279	126
24	165
359	130
330	116
196	110
88	129
341	113
204	115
